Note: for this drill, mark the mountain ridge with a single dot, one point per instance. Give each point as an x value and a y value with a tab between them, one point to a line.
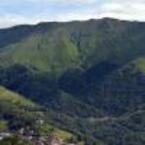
83	71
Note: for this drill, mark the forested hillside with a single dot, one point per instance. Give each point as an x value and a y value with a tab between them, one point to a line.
88	76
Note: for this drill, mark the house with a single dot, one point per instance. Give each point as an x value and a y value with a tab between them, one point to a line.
4	135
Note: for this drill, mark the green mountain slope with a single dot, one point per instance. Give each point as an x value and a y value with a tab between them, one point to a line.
91	73
14	98
79	44
17	113
42	53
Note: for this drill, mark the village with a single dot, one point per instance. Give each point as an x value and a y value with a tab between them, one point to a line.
29	134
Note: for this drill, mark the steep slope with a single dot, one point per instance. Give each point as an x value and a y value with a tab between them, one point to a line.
43	53
13	98
17	33
90	73
18	113
64	45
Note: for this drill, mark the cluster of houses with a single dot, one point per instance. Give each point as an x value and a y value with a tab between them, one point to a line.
36	139
28	133
4	134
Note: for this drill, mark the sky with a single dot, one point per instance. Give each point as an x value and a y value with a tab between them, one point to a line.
14	12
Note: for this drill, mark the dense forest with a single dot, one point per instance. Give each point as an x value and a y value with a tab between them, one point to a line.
84	78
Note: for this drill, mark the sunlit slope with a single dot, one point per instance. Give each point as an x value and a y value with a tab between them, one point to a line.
75	45
43	53
14	98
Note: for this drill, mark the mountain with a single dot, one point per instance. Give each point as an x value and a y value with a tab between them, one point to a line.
87	75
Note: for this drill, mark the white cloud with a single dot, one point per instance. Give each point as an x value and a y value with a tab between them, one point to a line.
121	9
52	1
64	1
128	10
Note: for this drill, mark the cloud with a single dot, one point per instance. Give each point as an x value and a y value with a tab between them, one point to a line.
66	10
51	1
63	1
128	10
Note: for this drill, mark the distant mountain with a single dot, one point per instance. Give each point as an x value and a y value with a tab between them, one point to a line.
89	75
